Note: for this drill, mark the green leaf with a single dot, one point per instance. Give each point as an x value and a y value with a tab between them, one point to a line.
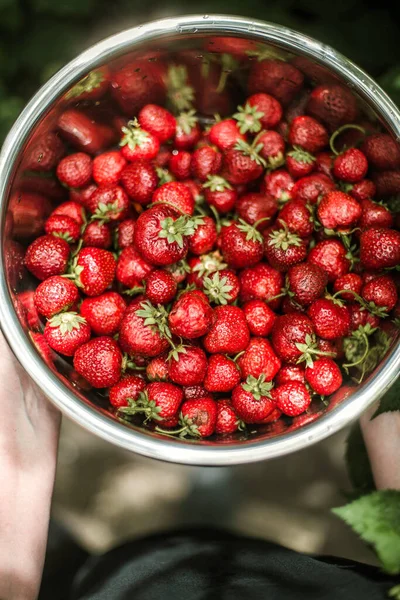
390	401
376	519
358	465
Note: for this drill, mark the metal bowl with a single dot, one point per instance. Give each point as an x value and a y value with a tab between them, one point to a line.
155	41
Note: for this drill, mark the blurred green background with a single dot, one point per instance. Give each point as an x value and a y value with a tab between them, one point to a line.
37	37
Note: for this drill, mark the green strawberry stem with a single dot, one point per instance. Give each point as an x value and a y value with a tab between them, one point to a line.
217	218
236	358
134	291
228	64
171	433
336	133
365	339
128	363
87	84
378	311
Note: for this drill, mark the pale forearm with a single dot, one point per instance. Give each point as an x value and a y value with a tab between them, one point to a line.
382	438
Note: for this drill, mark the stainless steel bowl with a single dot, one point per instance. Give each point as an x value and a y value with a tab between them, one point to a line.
61	385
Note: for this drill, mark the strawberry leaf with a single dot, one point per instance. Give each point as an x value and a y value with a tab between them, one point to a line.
217	289
248	118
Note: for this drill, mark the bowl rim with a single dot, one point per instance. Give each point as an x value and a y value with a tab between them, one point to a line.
89	417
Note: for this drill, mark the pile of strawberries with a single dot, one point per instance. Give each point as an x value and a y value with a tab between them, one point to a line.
213	273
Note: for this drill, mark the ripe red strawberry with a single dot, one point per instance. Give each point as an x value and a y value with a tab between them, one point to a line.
46	256
260	318
126	390
279	185
222	374
138	83
241	245
55	295
276	77
158	121
204	238
374	215
188	131
252	400
177	195
363	190
225	134
198	418
299	163
242	163
191	315
125	233
91	87
273	148
227	419
311	188
65	332
297	217
132	268
75	170
160	402
107	167
219	194
194	392
160	287
253	207
338	210
138	144
83	133
308	133
331	256
324	163
381	151
350	166
306	283
269	106
44	153
330	320
379	248
324	376
28	311
349	281
290	373
221	287
284	249
188	367
98	235
289	334
144	329
380	293
71	209
99	361
229	333
104	313
180	164
204	266
261	282
205	161
27	214
157	369
94	270
259	359
359	316
332	104
139	179
63	227
292	398
334	348
387	183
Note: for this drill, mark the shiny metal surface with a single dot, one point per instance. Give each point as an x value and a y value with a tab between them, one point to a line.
60	388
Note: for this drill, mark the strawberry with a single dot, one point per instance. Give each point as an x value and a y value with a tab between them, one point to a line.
94	270
241	245
292	398
65	332
125	233
324	163
362	190
332	104
284	249
381	151
160	287
381	294
299	163
293	337
222	374
379	248
189	367
28	212
137	83
324	376
242	163
43	348
297	217
219	194
227	419
191	315
127	390
261	282
350	166
160	402
387	183
254	207
131	268
83	133
71	209
351	282
177	195
139	180
338	210
306	283
330	320
91	87
229	333
98	235
359	316
194	392
158	368
259	359
63	227
273	148
197	418
188	131
204	238
252	400
29	311
44	153
104	313
158	121
180	163
276	77
279	185
179	271
99	361
290	373
46	256
144	329
331	256
333	348
374	215
204	266
308	133
138	144
259	317
107	167
54	295
221	287
269	106
205	161
225	134
75	170
311	188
